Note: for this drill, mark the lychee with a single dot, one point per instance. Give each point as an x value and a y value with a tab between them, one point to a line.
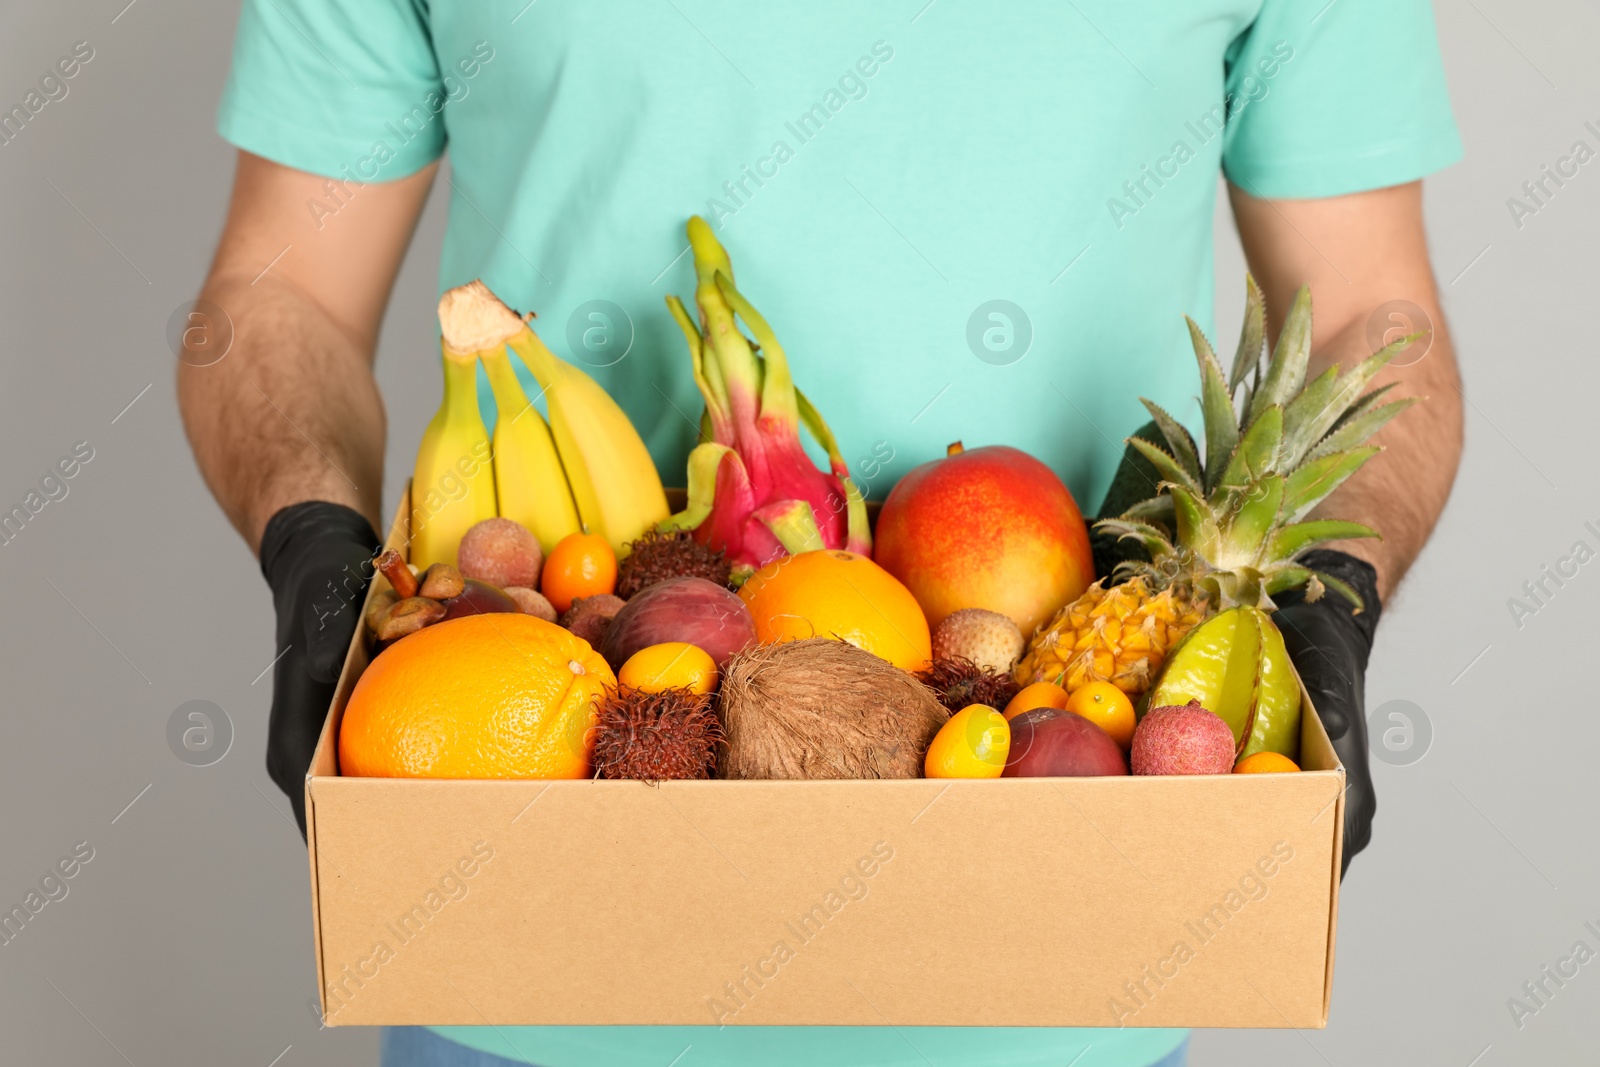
987	638
501	552
1186	739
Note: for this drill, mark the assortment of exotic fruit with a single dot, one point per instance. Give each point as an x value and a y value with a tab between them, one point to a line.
552	617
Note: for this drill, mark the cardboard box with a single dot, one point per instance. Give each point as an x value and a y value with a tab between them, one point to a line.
1185	901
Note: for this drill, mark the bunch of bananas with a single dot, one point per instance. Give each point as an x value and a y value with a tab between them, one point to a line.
585	469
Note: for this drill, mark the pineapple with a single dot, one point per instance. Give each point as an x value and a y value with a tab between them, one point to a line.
1120	635
1226	530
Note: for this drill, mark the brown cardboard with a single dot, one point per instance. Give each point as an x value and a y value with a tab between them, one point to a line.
1016	902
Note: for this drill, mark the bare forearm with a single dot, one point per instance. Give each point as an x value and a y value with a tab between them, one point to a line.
1402	490
1358	253
291	413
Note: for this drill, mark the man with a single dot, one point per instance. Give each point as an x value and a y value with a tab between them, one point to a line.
882	174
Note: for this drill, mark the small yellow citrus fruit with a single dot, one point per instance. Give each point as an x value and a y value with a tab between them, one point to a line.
1108	708
973	744
1265	763
1037	695
670	665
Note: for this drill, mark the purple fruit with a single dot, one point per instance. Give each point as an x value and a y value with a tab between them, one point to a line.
478	598
1051	743
694	610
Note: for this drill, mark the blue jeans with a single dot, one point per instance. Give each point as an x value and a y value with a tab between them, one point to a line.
415	1046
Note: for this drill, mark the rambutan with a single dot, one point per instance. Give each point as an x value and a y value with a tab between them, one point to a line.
656	736
958	682
657	556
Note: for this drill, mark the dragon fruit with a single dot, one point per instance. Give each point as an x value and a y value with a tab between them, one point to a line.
753	492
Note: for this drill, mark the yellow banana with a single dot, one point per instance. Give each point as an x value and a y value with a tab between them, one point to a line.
610	473
528	479
613	478
452	486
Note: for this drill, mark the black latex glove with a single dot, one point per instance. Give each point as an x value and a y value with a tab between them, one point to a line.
317	557
1327	642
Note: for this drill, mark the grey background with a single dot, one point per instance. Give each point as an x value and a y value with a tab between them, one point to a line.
186	940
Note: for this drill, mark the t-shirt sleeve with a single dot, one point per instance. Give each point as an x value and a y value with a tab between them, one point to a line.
320	85
1335	99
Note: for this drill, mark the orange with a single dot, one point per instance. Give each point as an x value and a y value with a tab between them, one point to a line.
581	564
482	696
1265	763
843	596
670	665
974	743
1037	695
1108	708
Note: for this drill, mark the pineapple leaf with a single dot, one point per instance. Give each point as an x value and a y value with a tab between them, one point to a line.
1251	517
1182	445
1295	538
1216	407
1285	576
1310	484
1286	372
1196	524
1255	455
1169	468
1155	542
1252	336
1157	509
1353	431
1299	433
1367	400
1345	396
1241	586
1343	588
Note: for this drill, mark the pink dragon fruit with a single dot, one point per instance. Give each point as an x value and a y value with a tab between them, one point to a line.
753	491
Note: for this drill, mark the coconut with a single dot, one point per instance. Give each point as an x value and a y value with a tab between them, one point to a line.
823	709
653	737
657	556
958	682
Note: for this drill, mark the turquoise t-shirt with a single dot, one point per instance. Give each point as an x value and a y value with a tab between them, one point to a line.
964	220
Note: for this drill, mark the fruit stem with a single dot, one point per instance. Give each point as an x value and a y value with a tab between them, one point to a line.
472	319
398	574
460	385
954	449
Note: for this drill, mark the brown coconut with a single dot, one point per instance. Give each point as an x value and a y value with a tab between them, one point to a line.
823	709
